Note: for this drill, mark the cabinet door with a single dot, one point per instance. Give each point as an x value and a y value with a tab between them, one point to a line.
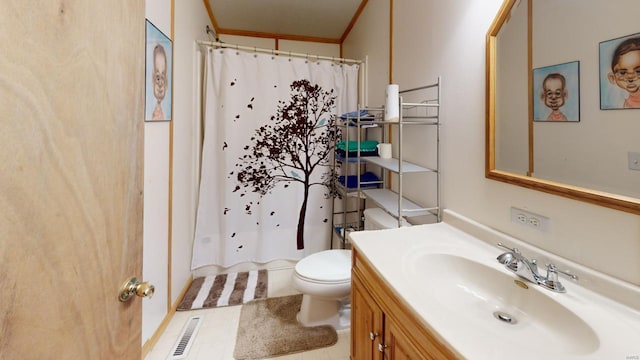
366	324
397	345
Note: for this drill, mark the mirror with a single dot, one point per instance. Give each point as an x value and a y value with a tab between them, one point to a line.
556	109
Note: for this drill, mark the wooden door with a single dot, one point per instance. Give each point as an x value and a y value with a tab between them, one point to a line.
366	323
71	109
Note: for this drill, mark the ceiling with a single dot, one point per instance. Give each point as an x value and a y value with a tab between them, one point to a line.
310	20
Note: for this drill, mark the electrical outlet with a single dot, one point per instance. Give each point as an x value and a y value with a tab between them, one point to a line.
534	221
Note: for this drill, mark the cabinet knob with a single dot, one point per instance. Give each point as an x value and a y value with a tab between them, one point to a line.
373	335
381	347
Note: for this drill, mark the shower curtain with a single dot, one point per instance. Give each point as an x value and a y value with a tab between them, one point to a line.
268	136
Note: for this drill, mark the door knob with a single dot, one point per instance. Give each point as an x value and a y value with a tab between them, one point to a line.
133	286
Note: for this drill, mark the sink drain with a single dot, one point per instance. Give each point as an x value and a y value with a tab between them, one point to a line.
504	317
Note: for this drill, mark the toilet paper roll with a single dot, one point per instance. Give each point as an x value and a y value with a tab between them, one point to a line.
392	105
384	150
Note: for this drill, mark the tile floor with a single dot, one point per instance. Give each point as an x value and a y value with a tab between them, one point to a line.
216	337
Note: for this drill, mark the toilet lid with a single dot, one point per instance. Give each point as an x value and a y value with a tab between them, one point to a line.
328	265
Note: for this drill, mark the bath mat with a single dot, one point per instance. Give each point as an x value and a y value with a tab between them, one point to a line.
268	328
225	290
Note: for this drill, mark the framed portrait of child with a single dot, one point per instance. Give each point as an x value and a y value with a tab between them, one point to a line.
158	81
620	73
556	93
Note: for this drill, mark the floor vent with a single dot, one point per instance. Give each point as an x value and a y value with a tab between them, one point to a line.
181	349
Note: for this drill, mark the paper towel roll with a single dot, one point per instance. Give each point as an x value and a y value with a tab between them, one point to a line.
392	106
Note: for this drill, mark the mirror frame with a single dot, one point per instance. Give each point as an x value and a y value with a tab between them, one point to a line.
613	201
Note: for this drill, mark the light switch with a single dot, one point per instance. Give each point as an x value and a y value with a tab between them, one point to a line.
634	160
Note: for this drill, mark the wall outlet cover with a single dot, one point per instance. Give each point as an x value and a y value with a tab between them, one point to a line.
634	160
531	220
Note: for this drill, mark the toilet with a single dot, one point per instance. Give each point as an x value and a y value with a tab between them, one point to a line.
378	219
324	279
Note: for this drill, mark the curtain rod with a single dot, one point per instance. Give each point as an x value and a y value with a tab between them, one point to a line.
277	52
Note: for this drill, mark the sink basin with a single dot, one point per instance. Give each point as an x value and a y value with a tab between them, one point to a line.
472	304
466	293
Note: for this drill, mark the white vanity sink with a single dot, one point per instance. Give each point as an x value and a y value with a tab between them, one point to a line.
481	310
471	292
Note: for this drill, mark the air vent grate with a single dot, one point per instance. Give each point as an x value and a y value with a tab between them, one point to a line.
181	349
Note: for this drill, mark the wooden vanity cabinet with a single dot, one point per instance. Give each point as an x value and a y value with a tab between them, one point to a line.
366	323
382	326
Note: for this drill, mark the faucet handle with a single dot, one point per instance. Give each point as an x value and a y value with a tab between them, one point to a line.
552	270
551	282
513	250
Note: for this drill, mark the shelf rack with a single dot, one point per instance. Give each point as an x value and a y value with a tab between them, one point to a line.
393	201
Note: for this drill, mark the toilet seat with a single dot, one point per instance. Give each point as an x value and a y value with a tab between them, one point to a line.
326	267
323	282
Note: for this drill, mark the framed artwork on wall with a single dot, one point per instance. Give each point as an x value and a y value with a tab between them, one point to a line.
158	75
556	93
620	73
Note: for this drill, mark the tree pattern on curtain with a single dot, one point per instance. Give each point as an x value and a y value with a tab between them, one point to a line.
292	147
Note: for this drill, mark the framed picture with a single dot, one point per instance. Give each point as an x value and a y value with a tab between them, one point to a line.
620	73
158	65
556	93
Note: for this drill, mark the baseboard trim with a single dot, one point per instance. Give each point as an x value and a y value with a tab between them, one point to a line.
149	344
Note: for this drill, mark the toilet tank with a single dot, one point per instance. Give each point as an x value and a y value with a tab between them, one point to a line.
378	219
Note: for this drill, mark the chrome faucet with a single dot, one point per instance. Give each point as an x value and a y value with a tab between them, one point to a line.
528	269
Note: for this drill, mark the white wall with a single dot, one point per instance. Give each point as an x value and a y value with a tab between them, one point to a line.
156	198
190	21
301	47
190	18
369	38
447	38
311	48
